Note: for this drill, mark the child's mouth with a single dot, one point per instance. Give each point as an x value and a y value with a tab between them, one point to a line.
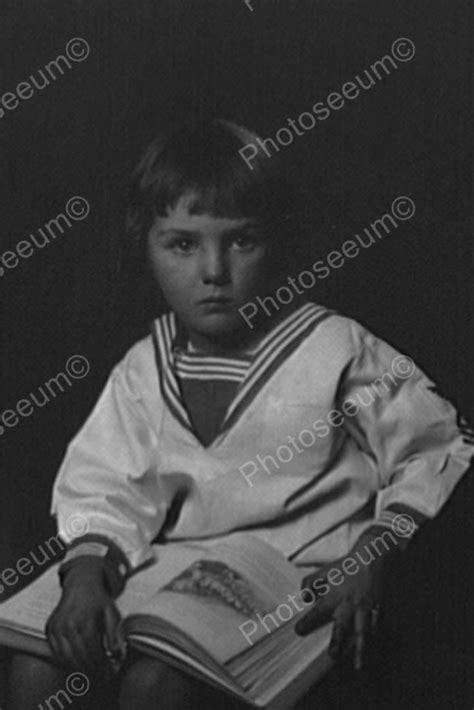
216	306
216	301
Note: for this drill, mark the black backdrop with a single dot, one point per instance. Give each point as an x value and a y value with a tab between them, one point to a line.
154	63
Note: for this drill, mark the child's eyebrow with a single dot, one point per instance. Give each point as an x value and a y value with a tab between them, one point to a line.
247	227
178	232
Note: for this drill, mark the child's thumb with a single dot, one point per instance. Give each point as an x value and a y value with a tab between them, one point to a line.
112	627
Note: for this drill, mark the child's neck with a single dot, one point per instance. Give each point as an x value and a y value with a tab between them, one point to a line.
241	341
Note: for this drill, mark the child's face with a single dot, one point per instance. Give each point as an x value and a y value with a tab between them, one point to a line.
208	267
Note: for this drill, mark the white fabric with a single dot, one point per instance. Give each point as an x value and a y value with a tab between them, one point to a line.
133	459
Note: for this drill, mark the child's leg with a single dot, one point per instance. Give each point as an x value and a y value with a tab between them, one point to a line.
148	684
31	681
36	683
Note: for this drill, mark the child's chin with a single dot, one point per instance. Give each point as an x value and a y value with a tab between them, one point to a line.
219	323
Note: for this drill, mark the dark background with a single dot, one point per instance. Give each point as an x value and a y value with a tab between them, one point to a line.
155	63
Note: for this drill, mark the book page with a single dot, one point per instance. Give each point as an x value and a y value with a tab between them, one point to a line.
31	608
206	589
210	589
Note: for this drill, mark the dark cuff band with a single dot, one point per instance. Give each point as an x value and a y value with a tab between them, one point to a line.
114	563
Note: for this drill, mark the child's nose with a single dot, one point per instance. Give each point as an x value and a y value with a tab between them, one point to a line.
215	268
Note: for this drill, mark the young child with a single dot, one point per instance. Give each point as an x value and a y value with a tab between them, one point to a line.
190	437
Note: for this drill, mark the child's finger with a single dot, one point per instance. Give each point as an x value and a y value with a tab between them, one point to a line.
343	622
361	629
62	641
112	622
311	581
95	649
374	617
321	612
86	646
68	654
53	643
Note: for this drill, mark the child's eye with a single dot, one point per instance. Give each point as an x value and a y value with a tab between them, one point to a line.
182	246
245	243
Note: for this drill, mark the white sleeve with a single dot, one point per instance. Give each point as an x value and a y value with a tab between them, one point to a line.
107	484
412	435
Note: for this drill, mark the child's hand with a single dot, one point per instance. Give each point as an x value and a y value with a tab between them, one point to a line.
349	593
85	615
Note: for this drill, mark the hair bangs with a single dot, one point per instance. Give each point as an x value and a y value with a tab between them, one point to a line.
204	164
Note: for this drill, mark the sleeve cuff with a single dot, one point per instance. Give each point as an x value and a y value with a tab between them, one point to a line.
401	520
115	564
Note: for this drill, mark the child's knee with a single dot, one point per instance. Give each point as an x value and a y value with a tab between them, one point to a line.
148	680
31	679
28	669
144	672
36	683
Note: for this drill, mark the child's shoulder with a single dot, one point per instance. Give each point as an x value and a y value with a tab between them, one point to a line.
142	355
339	332
137	369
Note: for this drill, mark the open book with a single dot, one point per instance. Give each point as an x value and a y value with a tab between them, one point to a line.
222	610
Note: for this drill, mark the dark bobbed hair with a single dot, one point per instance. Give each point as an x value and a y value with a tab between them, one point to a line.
204	160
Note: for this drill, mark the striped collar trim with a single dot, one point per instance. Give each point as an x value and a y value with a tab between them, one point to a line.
196	366
211	373
163	334
212	376
189	360
272	351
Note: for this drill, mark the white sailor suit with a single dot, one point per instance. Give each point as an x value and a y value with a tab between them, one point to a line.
328	431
